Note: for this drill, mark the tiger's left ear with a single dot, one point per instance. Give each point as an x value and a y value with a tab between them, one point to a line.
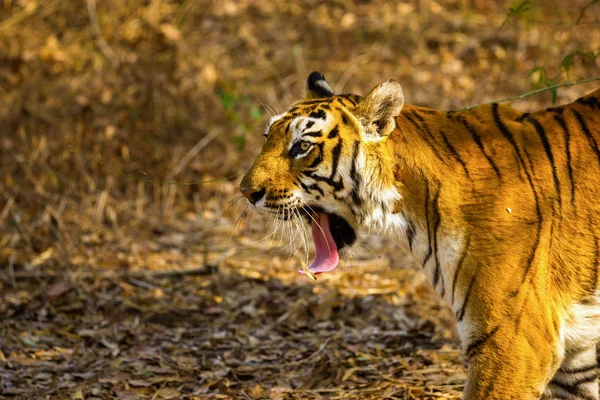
317	87
378	110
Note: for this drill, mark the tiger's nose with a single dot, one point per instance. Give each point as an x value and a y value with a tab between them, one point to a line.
253	195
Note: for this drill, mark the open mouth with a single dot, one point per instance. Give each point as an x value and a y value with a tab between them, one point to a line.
331	233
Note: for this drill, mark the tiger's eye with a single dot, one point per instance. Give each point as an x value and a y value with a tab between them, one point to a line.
305	146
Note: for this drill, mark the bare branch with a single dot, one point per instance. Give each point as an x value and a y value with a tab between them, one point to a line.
522	96
106	50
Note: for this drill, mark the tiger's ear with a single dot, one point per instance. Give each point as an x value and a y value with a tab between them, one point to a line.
378	110
317	87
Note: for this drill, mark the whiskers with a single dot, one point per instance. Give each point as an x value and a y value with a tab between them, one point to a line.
271	111
287	230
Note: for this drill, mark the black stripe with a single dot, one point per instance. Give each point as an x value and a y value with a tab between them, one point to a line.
425	137
455	153
312	102
459	265
579	370
354	176
585	379
427	220
437	221
587	133
540	220
523	117
477	139
423	126
506	133
319	114
313	187
317	188
565	129
573	390
333	133
589	101
410	234
463	309
309	124
319	159
509	136
547	148
429	251
337	185
417	116
313	134
352	98
345	102
475	347
344	119
337	150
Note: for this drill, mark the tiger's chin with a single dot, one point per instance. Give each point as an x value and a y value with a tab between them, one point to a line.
332	233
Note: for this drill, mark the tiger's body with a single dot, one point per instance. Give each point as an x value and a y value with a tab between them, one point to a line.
499	207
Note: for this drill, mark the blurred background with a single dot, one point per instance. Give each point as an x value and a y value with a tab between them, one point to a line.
128	269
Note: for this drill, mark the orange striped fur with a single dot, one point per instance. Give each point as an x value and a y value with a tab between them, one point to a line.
500	208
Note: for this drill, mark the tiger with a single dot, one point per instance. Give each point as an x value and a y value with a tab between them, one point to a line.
498	207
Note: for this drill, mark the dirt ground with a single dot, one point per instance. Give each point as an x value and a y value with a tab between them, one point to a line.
129	267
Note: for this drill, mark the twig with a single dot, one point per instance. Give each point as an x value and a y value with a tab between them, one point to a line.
158	391
106	50
25	275
11	271
6	208
204	270
142	284
125	175
19	275
522	96
202	143
29	10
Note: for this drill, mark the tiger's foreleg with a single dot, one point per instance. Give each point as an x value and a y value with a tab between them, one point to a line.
514	359
576	378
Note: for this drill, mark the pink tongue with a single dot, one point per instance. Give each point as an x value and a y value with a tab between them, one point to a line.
326	257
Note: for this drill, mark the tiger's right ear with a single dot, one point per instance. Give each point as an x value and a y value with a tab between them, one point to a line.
378	110
317	87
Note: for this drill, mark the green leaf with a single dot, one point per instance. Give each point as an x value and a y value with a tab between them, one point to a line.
517	11
584	9
542	74
256	113
240	141
228	101
554	92
566	62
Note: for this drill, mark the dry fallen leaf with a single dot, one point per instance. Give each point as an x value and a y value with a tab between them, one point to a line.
308	272
168	393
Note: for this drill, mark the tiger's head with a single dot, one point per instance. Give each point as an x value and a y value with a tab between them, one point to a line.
326	160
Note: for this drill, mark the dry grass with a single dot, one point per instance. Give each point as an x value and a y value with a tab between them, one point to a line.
115	283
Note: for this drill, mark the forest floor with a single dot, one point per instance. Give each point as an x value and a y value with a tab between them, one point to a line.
128	269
